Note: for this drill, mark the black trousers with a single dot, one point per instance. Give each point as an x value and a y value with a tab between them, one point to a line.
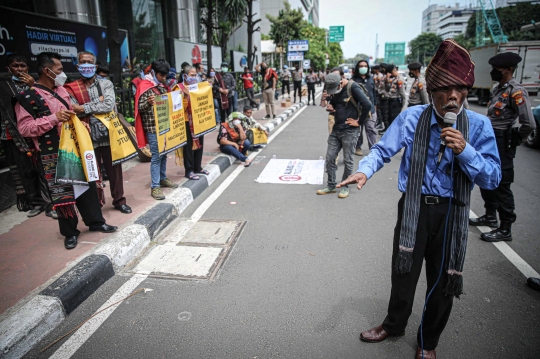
116	179
297	86
311	92
250	94
89	209
383	110
394	109
501	199
285	84
428	246
192	158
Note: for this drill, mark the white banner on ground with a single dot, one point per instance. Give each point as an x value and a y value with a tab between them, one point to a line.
292	172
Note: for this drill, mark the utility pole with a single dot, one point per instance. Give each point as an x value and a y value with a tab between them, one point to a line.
376	47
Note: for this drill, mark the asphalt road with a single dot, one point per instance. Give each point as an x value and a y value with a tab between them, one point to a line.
309	273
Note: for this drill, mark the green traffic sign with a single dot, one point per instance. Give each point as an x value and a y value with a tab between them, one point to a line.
336	34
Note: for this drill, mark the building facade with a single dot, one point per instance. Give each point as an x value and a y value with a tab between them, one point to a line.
453	23
310	8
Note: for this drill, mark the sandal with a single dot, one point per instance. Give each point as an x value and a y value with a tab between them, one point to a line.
247	163
204	172
193	176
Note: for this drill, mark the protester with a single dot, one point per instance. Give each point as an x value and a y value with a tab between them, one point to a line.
250	124
297	83
508	105
285	82
40	112
269	86
432	196
232	139
91	96
145	123
215	93
351	107
227	88
30	186
362	76
171	78
418	93
193	150
311	80
102	71
248	87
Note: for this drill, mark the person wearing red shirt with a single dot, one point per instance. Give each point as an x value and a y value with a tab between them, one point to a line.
247	79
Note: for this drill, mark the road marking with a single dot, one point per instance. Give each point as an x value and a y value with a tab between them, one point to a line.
201	210
83	333
509	253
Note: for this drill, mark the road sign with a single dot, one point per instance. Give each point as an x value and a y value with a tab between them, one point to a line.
336	34
298	45
306	64
295	56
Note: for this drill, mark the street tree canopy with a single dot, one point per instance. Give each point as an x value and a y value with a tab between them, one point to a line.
423	47
286	26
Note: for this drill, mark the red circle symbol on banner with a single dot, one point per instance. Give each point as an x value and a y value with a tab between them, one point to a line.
290	178
89	156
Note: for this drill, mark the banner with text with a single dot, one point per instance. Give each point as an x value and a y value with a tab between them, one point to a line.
202	109
292	172
170	122
122	148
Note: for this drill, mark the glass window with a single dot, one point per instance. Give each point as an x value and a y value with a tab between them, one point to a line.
148	31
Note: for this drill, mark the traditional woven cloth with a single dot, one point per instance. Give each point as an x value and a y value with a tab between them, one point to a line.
451	65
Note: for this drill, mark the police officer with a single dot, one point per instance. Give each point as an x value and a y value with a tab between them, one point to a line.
394	86
418	93
383	98
509	101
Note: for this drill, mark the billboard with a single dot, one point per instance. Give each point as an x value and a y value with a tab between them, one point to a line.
29	34
195	53
239	61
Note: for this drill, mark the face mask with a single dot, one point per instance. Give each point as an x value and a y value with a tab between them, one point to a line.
101	77
362	70
411	75
224	69
13	77
496	75
191	80
212	74
60	79
236	122
87	70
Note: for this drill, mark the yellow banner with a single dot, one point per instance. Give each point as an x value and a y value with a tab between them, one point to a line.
259	137
76	158
202	108
122	148
170	122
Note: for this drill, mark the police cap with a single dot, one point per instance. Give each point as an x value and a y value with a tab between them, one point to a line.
505	60
390	67
415	66
376	67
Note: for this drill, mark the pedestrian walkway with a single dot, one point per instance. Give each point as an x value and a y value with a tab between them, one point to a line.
32	249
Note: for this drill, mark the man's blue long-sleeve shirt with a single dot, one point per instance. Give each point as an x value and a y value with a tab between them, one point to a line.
479	160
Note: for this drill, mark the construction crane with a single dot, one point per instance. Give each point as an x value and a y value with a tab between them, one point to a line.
486	15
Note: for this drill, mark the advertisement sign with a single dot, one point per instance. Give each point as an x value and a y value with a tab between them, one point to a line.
202	109
239	61
195	53
298	45
295	56
29	34
170	122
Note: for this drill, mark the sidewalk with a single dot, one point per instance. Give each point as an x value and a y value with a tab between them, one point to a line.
32	249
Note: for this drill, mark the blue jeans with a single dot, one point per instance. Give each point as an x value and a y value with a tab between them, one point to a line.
216	109
158	164
231	150
340	139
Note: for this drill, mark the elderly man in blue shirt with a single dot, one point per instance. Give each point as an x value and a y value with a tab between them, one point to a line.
436	183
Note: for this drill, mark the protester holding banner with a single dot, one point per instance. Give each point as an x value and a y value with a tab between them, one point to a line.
41	111
30	186
90	96
193	151
253	126
145	124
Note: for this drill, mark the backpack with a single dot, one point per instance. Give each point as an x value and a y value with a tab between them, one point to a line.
351	98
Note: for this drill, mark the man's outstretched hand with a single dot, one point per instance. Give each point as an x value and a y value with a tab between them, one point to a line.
359	178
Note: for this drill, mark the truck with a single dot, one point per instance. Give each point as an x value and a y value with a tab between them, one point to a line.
527	72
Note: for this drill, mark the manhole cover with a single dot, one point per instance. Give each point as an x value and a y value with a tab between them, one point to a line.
212	232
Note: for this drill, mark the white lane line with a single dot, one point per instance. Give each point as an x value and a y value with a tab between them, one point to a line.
509	253
201	210
83	333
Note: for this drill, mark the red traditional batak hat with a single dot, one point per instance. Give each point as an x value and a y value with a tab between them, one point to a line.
451	65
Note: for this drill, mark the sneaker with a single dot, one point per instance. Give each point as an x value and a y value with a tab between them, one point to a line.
358	152
157	194
52	214
34	212
326	190
167	183
343	193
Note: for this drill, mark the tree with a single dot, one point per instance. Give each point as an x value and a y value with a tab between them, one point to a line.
379	60
356	58
423	47
464	41
286	26
230	14
335	53
113	40
251	29
207	22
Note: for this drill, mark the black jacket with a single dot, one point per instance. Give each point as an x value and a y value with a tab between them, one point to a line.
344	110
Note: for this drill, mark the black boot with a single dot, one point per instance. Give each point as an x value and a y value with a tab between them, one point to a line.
503	233
489	219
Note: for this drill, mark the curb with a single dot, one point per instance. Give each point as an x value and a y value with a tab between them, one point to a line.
25	327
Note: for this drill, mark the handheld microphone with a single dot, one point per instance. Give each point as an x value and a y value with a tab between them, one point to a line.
449	120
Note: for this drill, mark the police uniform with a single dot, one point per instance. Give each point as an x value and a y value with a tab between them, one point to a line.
396	95
418	93
508	104
383	98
